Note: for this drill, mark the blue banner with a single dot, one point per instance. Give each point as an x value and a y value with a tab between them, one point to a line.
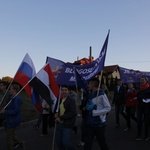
130	75
64	72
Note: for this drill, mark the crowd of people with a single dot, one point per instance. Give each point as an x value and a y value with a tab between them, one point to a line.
133	103
130	102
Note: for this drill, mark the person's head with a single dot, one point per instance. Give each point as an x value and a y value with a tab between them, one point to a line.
14	89
130	85
3	86
144	80
119	82
93	84
64	90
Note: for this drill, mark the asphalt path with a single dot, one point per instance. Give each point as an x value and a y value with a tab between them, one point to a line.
117	138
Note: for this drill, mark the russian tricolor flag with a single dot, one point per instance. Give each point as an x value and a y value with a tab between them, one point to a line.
25	73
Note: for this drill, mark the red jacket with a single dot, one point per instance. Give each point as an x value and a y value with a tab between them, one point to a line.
130	101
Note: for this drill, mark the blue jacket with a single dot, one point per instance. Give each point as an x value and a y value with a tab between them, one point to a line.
13	113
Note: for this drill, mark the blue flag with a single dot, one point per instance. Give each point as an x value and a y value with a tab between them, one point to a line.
64	72
81	83
130	75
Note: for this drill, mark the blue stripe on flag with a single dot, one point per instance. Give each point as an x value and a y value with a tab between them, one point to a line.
26	69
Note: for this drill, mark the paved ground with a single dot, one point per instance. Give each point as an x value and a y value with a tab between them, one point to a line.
117	138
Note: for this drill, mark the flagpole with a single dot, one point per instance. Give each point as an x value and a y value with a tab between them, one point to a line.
11	82
75	80
6	92
58	99
100	79
78	111
53	143
18	93
8	87
23	87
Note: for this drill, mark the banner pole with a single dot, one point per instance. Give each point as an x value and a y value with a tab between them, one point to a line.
6	92
17	94
100	79
53	143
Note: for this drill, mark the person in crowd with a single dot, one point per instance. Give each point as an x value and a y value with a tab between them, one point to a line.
45	115
119	101
65	120
131	105
13	119
97	106
143	109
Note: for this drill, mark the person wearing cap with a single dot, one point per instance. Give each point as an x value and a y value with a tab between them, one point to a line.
143	109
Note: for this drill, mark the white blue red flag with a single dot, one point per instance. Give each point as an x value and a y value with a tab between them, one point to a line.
25	73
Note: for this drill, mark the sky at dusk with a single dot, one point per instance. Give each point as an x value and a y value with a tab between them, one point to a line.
65	29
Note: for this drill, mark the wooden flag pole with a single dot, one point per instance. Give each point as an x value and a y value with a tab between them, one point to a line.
59	97
76	81
100	79
78	111
54	134
18	93
6	92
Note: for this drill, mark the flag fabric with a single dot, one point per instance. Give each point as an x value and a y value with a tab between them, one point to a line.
25	73
44	83
64	72
55	63
130	75
81	82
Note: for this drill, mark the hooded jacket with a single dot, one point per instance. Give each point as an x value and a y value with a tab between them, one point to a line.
13	113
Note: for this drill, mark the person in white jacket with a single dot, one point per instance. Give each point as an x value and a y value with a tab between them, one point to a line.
97	108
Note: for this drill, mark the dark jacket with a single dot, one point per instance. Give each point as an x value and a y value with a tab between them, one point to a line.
13	113
69	115
119	96
143	95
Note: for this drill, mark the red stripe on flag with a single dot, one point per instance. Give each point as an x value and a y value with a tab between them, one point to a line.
53	84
